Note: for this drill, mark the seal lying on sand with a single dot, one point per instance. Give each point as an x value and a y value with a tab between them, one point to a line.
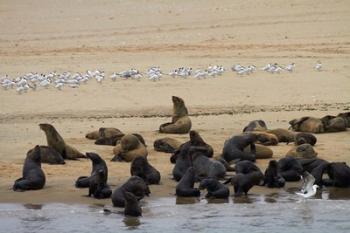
185	187
346	117
283	135
265	138
55	141
49	155
334	124
261	151
273	179
307	124
290	169
234	148
339	175
98	164
132	206
130	147
167	145
141	168
180	123
302	138
134	185
103	133
215	188
33	176
305	151
257	125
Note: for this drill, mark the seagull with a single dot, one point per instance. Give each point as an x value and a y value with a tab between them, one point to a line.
290	67
318	66
308	189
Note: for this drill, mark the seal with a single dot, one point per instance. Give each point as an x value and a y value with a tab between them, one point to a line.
104	132
265	138
334	124
98	164
242	183
234	148
129	148
247	167
290	169
316	167
167	145
273	178
49	155
214	188
98	188
302	138
261	151
190	153
134	185
55	141
305	151
206	167
132	206
185	187
283	135
308	125
33	176
141	167
339	175
257	125
346	117
180	123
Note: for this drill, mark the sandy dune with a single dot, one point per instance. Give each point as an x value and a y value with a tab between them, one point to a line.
43	36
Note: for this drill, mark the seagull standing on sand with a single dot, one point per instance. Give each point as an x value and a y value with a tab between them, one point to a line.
308	189
290	67
318	66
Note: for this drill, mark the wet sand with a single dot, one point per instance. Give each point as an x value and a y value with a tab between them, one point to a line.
78	36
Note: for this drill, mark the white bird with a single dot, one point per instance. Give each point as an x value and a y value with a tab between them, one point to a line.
290	67
45	83
318	66
308	189
114	77
59	86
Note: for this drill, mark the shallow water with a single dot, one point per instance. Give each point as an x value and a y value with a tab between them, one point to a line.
278	212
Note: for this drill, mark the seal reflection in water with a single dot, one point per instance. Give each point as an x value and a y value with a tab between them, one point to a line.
33	176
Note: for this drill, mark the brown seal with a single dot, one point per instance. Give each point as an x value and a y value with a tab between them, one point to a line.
283	135
55	141
167	145
180	123
257	125
334	124
307	124
129	148
265	138
304	151
262	152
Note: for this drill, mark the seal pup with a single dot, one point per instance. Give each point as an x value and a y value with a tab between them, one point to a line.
167	145
142	168
129	148
302	138
134	185
308	189
98	188
234	148
305	151
257	125
33	176
272	178
55	141
308	125
132	206
98	164
290	169
49	155
185	187
214	188
180	123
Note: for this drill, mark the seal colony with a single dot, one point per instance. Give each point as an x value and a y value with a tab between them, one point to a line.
196	166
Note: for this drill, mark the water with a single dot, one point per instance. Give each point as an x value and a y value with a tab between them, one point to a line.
283	212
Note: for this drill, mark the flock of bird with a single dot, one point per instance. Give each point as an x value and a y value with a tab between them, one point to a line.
32	81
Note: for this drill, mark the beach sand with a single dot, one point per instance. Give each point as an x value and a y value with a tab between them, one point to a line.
43	36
